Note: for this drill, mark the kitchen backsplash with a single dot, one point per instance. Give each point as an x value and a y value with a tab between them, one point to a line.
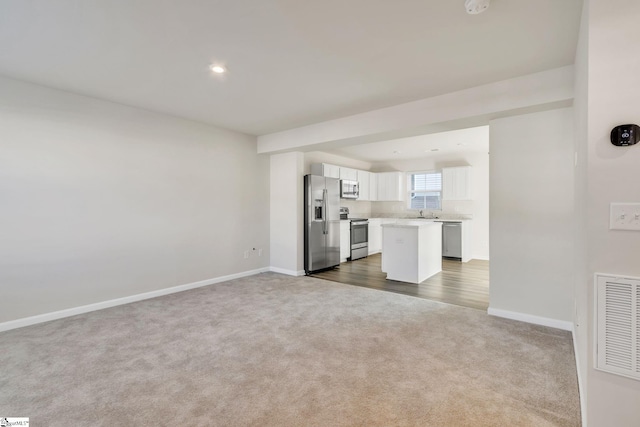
450	210
426	214
359	209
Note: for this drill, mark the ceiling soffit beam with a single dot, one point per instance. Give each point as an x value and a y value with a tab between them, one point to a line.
534	92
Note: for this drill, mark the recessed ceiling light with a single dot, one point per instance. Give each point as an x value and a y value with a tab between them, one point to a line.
396	152
218	69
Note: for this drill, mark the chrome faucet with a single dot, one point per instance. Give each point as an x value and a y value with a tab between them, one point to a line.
421	216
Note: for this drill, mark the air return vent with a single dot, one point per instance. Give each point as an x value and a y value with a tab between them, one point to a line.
618	325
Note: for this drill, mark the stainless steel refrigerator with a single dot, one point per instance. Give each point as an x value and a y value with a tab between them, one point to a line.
322	223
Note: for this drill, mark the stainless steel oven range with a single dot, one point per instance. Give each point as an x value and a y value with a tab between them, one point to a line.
359	238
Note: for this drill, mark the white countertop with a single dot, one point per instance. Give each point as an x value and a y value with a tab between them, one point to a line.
433	219
413	224
421	219
411	220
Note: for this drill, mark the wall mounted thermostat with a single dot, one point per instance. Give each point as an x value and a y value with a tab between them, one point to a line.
625	135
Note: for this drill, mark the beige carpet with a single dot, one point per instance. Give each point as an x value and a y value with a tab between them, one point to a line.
272	350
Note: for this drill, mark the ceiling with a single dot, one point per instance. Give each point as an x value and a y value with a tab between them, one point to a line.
290	62
470	140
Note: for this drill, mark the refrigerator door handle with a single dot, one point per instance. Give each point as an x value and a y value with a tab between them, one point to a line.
325	198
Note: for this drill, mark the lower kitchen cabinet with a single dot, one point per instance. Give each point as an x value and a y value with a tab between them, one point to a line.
375	236
345	240
459	233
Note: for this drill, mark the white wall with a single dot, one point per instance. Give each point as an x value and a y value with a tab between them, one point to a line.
613	176
102	201
287	212
478	208
531	209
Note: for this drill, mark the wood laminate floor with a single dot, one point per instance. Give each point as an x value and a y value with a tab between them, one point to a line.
459	283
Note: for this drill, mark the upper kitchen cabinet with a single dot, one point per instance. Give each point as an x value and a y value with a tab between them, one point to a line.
348	174
368	181
333	171
373	186
325	169
456	183
390	186
364	179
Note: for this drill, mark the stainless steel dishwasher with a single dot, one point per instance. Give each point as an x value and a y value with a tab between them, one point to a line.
452	239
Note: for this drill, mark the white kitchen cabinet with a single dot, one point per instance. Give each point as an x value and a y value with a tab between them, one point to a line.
412	251
325	169
375	235
467	234
382	222
390	187
349	174
345	240
373	186
456	183
363	181
465	238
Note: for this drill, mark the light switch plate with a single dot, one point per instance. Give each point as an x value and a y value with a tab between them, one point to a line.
624	216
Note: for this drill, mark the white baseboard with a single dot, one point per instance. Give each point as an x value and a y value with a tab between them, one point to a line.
287	272
581	390
529	318
40	318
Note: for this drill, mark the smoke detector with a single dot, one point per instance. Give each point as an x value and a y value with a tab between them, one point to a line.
476	6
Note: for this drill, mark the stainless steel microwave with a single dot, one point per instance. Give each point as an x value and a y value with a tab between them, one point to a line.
349	189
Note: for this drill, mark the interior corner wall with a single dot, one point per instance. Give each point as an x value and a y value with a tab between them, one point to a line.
613	176
101	201
581	274
286	213
531	215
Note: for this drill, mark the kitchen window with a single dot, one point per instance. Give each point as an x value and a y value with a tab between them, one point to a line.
425	190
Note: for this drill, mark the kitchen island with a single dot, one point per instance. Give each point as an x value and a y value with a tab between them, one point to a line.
411	250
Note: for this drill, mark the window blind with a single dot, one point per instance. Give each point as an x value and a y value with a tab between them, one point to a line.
425	190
